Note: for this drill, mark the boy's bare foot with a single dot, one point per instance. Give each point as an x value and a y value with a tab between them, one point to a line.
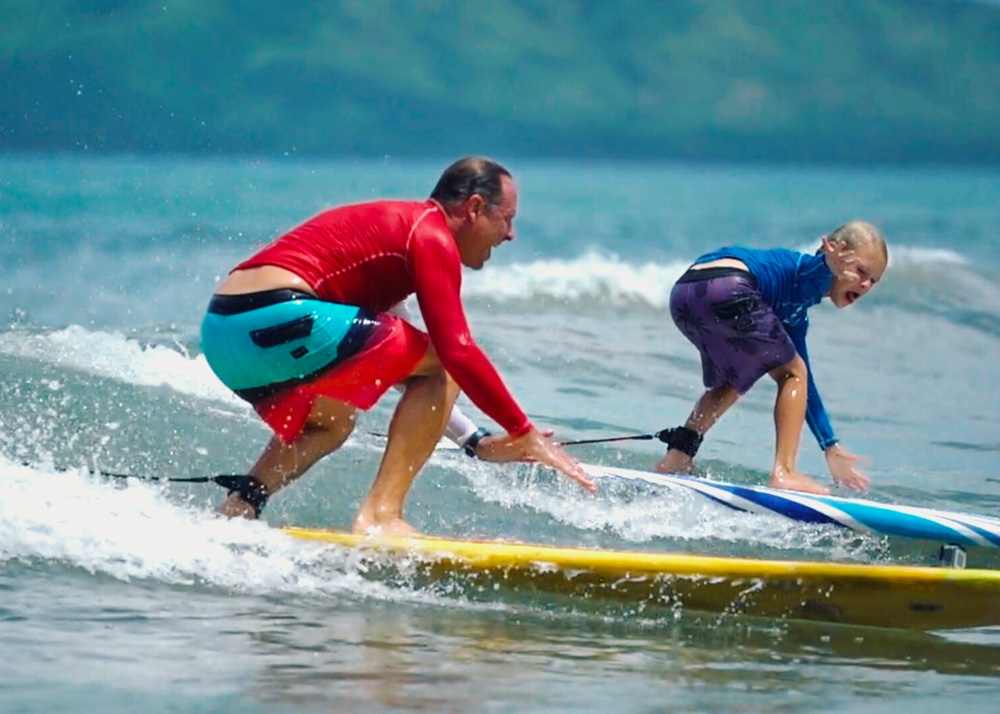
792	480
674	462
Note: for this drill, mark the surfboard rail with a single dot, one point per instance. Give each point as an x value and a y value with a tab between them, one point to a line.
898	596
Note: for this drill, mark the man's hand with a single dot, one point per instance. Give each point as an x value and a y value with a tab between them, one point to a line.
842	465
501	448
534	447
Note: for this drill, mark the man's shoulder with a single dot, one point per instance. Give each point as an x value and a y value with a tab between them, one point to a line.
386	207
404	220
427	228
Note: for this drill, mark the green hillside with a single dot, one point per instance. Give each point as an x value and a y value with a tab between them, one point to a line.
782	80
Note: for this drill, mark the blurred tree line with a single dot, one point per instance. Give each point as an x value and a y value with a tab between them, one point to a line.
771	80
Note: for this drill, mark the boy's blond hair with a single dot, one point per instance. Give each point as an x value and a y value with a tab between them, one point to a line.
855	233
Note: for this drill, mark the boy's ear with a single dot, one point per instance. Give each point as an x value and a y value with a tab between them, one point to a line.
829	245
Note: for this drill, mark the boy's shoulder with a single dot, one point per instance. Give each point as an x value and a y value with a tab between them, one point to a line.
773	257
774	261
793	260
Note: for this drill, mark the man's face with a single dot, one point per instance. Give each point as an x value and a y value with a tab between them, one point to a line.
490	228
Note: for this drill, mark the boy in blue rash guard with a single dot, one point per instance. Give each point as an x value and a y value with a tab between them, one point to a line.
745	311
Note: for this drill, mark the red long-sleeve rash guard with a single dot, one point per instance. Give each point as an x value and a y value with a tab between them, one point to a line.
374	255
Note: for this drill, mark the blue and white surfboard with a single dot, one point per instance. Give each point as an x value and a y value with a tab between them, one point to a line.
854	513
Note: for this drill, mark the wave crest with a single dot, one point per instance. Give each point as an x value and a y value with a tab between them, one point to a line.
595	275
599	276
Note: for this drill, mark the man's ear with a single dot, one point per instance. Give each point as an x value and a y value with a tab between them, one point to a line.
474	206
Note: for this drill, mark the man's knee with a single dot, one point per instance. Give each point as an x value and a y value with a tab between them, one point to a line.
438	377
429	364
451	388
438	386
332	415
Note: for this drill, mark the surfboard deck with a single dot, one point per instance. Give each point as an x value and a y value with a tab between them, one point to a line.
896	596
855	513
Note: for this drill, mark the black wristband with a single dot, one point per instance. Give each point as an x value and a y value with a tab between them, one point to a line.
473	441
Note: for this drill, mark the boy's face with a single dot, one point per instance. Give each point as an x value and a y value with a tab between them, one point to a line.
855	271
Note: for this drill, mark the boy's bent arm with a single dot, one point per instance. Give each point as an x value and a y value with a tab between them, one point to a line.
816	417
840	462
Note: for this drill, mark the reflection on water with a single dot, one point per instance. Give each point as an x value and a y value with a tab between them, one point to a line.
446	659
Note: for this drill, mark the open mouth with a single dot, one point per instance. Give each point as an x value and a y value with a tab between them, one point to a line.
852	296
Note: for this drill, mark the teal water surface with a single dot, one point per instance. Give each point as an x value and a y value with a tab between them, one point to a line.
132	596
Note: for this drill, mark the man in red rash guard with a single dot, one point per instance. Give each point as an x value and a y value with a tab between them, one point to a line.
300	330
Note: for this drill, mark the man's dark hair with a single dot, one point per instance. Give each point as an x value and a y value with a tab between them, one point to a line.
468	177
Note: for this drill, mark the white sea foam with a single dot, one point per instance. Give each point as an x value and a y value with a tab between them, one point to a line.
648	514
133	531
902	255
113	355
594	275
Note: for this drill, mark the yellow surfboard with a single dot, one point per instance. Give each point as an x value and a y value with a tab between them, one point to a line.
899	596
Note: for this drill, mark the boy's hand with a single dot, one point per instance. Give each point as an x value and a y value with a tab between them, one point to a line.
842	466
841	260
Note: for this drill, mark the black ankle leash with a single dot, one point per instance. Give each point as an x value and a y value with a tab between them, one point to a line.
251	490
681	438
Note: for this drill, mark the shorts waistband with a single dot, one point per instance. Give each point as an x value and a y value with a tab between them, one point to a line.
694	275
236	304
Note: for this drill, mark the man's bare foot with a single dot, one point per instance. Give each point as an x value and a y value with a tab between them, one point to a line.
674	462
366	524
792	480
236	507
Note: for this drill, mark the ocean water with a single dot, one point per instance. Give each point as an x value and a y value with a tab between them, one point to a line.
132	596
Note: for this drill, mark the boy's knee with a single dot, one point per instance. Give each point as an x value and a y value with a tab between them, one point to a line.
793	369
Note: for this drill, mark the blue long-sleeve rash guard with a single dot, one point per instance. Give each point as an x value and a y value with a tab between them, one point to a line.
790	283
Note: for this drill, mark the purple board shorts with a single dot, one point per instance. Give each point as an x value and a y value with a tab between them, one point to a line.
739	337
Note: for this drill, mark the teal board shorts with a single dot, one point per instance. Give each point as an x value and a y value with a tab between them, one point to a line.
282	349
260	343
